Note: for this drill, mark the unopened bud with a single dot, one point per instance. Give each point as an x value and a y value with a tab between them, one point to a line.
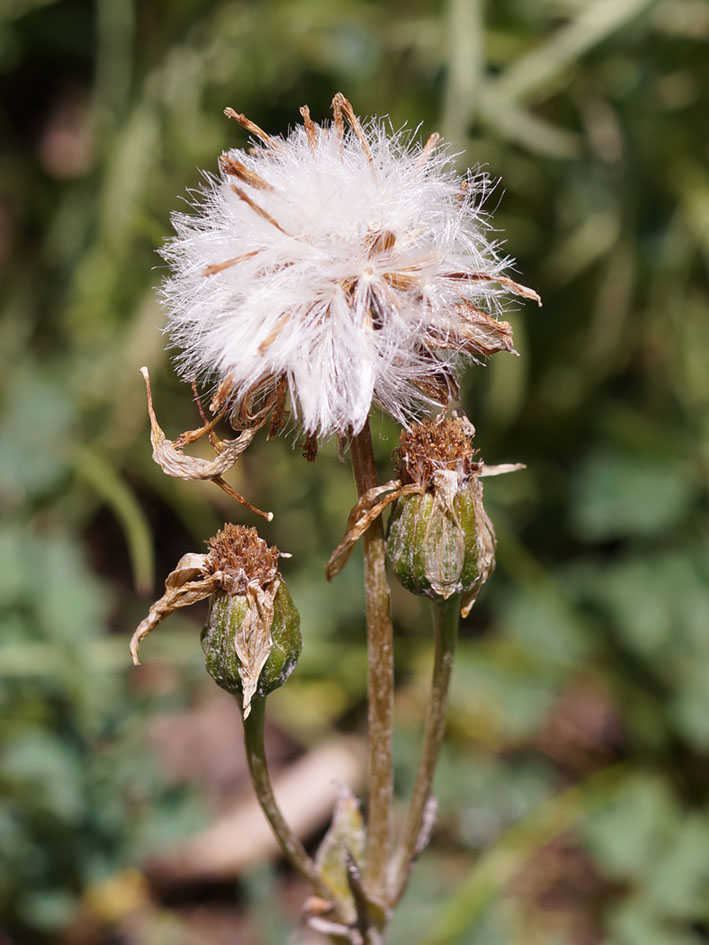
226	623
441	541
252	640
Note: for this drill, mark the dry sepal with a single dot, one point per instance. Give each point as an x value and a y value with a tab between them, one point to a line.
172	459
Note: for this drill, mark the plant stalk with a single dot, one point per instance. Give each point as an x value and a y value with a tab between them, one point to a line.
446	618
380	682
293	849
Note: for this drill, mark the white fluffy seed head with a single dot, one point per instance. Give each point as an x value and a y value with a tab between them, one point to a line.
343	266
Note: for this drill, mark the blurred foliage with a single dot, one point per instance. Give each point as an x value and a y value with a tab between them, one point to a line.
573	791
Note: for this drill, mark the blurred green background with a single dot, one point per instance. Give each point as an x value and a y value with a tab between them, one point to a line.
574	787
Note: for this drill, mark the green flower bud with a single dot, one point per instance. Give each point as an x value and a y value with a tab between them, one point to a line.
433	550
226	621
252	640
441	541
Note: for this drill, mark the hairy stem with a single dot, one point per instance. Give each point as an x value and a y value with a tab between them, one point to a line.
446	616
380	681
293	849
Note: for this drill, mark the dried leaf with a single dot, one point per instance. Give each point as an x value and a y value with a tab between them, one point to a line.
222	396
500	469
174	462
361	517
184	586
474	331
253	641
444	539
441	386
479	333
188	568
171	458
277	416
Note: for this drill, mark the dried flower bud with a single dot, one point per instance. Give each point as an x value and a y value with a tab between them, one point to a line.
252	640
236	621
441	541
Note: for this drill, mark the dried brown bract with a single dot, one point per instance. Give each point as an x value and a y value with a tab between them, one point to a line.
171	458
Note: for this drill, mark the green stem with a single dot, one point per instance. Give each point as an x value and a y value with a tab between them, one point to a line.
380	681
293	849
446	617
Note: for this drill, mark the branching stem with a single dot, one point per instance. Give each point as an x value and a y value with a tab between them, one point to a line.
446	617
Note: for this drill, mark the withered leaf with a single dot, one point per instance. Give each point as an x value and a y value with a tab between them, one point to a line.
171	458
361	517
174	462
184	586
253	641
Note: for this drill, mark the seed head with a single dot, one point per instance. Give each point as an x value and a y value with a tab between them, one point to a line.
342	265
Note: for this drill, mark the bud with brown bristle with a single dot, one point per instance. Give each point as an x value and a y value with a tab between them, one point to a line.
252	639
241	558
441	541
440	444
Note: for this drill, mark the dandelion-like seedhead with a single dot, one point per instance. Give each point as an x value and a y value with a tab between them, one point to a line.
342	265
